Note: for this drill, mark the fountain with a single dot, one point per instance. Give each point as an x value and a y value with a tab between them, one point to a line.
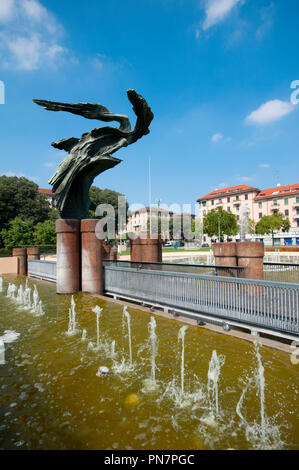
181	337
152	344
72	327
2	352
11	290
84	335
264	434
244	222
127	320
1	284
98	310
215	365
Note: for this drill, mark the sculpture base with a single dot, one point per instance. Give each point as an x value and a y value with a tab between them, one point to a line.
68	256
91	256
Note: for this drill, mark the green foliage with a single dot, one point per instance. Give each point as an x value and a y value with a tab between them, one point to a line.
269	223
19	198
105	196
228	223
19	233
44	233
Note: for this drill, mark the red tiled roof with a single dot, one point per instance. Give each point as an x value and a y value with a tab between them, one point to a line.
45	191
228	191
278	191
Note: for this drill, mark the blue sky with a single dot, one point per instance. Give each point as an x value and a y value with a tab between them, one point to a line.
217	74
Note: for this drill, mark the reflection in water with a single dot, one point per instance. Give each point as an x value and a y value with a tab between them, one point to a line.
52	398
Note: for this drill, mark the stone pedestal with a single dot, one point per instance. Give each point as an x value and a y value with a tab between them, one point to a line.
68	256
146	250
92	266
251	256
21	254
225	255
33	252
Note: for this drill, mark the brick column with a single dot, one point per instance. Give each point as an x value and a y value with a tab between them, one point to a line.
251	255
92	265
146	250
225	255
33	252
68	256
21	254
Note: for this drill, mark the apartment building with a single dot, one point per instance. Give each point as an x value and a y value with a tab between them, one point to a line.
233	199
138	220
255	202
283	199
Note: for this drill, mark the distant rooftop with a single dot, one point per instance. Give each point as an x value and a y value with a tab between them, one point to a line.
228	191
279	191
48	192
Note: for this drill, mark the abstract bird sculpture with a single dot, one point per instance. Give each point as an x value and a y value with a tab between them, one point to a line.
91	155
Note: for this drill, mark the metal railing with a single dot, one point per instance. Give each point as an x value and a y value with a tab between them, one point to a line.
264	304
42	269
282	272
233	271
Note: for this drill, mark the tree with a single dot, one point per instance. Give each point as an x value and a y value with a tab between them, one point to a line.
19	233
105	196
19	197
269	223
228	223
44	233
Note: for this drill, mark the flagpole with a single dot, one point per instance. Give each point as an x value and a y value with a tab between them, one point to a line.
150	194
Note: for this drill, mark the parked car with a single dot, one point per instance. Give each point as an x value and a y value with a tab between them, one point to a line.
205	245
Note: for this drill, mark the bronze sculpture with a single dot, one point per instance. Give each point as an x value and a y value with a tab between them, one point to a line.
91	154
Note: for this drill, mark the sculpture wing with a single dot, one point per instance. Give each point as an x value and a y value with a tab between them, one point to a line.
87	110
143	112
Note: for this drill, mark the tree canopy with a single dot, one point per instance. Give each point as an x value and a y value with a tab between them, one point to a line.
105	196
228	223
269	223
19	197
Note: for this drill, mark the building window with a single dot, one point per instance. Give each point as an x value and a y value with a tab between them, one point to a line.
246	197
260	215
212	202
204	204
237	198
228	209
237	208
238	218
275	211
297	223
275	202
228	199
297	199
286	212
286	201
260	205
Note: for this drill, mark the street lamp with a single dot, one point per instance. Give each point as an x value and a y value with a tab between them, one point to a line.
219	231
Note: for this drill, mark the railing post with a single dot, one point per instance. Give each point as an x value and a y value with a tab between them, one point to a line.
33	252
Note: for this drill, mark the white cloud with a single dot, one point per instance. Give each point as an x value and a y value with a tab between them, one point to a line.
216	137
264	165
30	41
244	179
267	20
270	112
49	164
6	10
217	10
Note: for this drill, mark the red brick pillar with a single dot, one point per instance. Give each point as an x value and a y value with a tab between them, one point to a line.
225	255
146	250
68	256
251	255
92	264
21	254
33	252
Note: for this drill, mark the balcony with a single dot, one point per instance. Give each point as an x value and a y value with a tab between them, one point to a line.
274	207
236	202
296	205
296	216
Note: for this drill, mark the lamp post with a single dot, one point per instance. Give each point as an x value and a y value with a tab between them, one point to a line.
219	231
